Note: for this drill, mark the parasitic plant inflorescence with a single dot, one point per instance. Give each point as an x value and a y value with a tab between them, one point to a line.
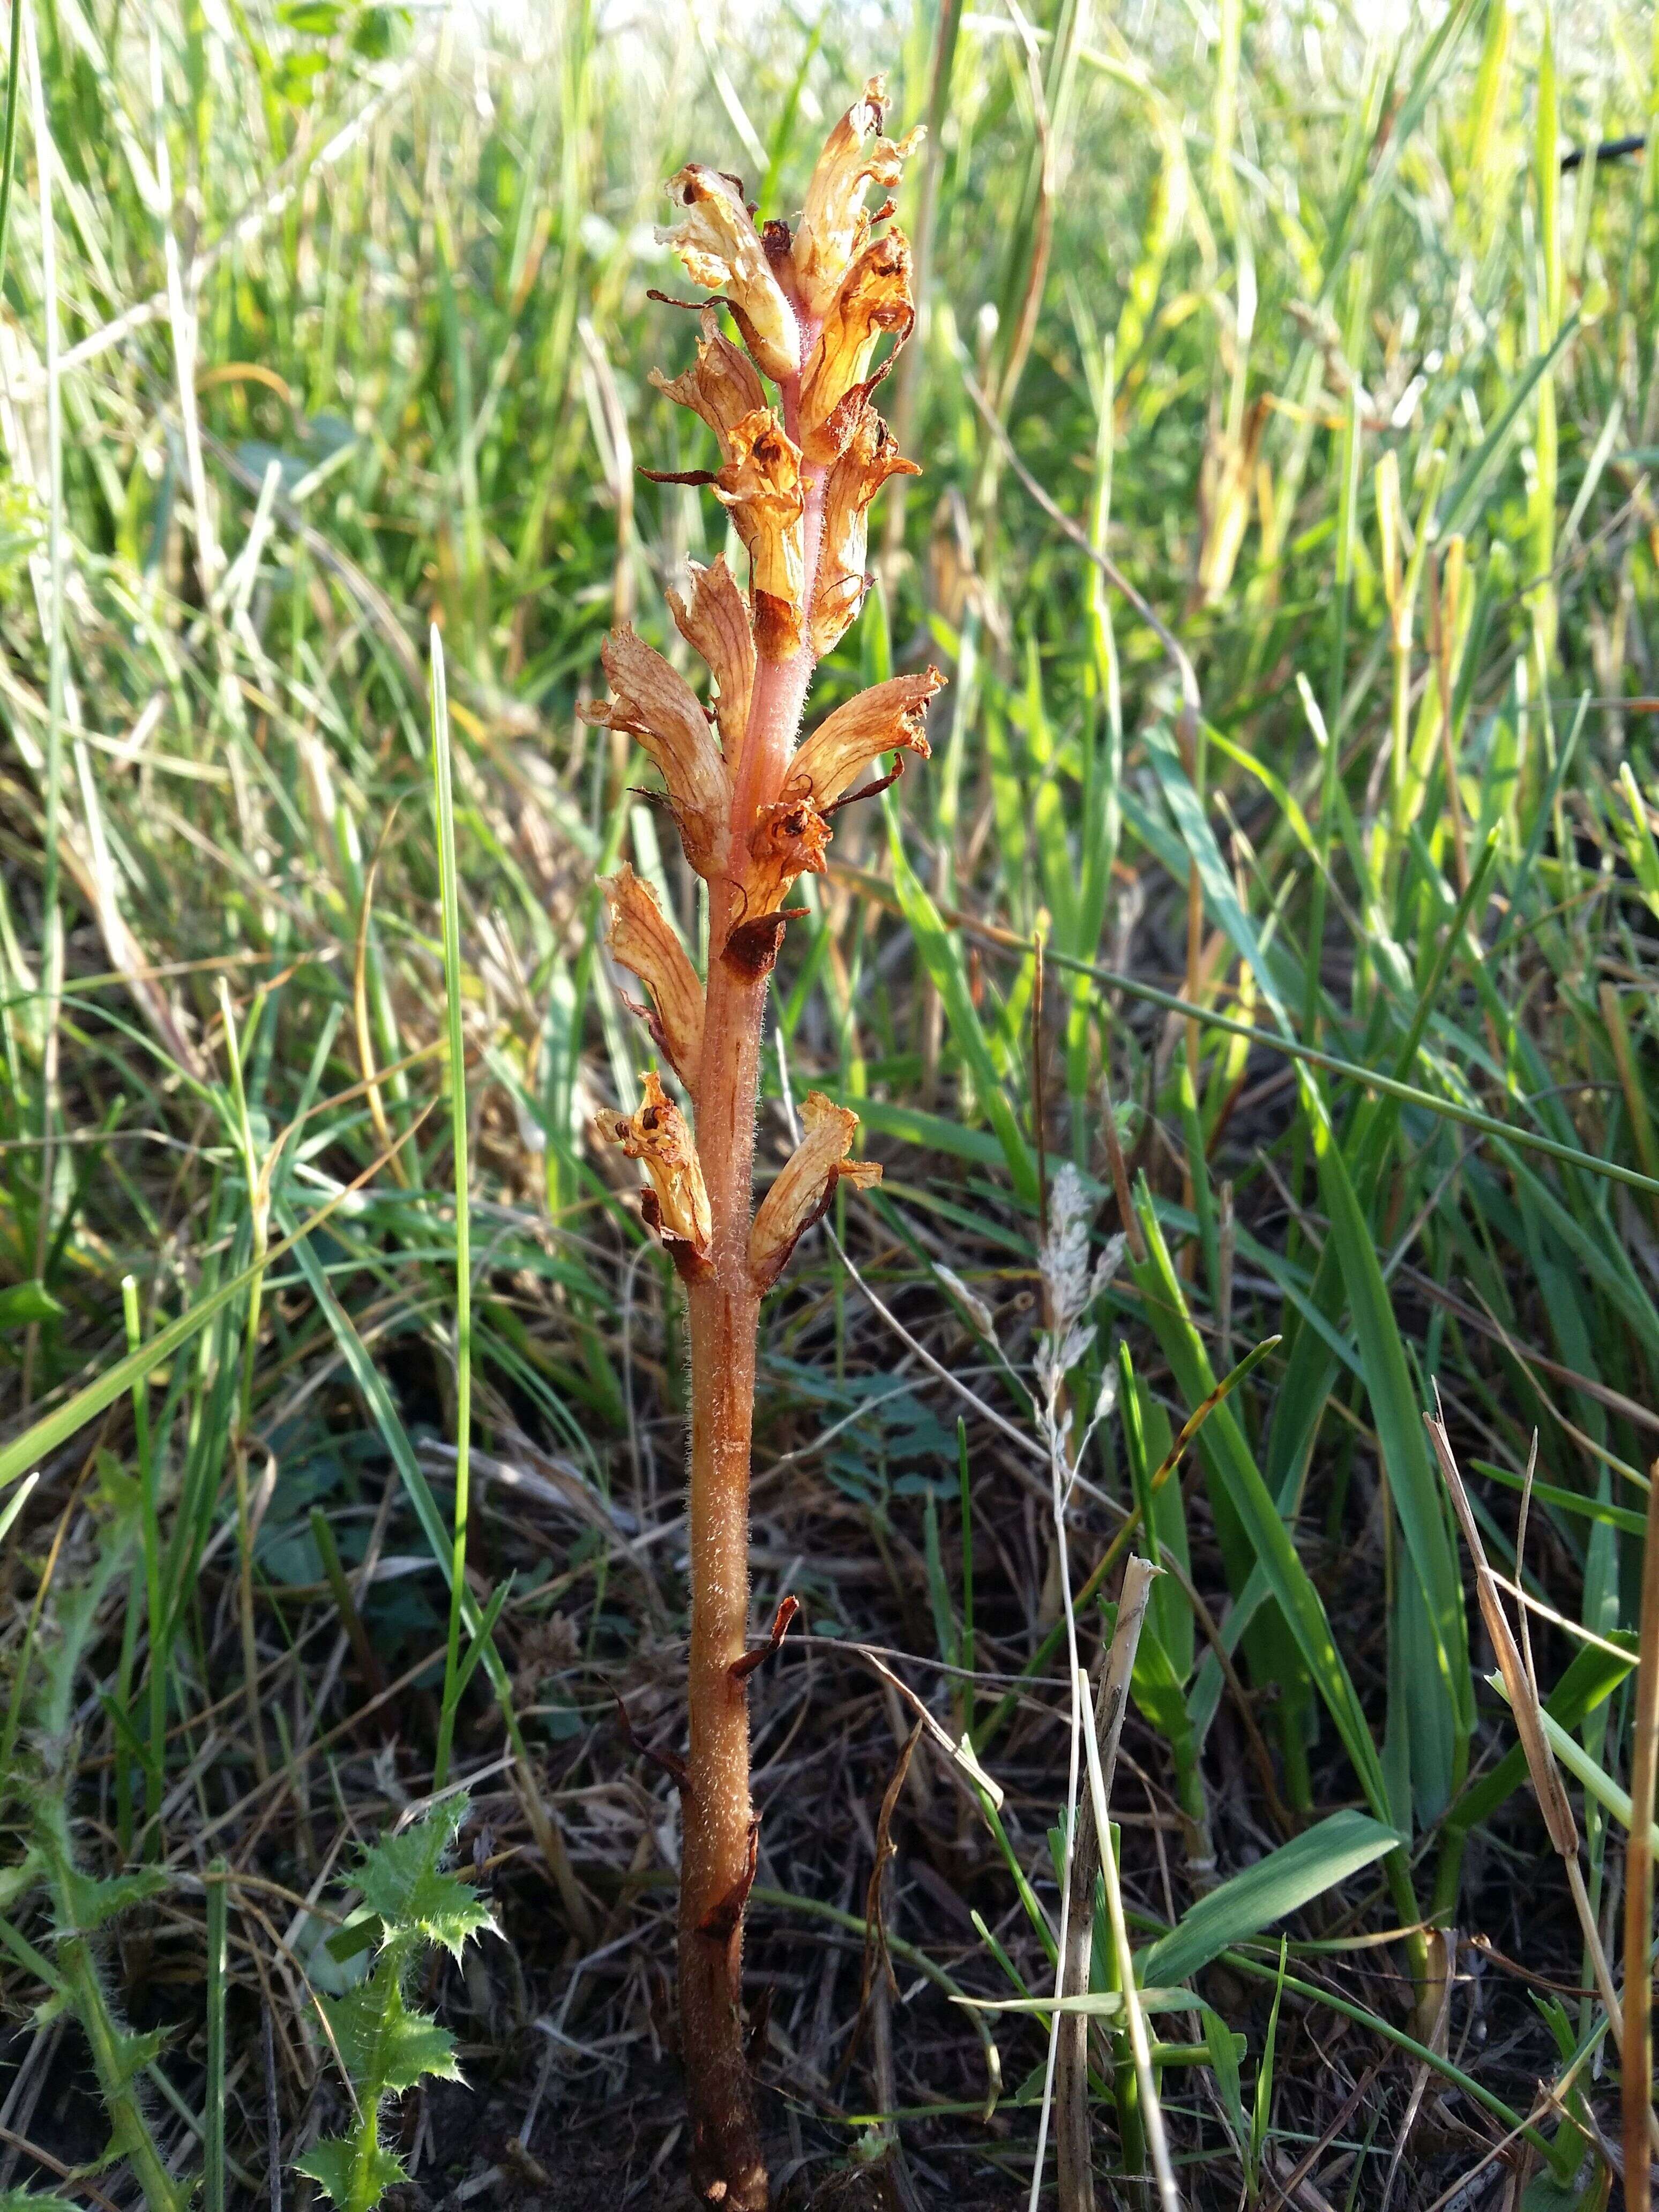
754	807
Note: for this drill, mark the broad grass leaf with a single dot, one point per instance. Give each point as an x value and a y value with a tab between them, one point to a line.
1269	1892
1398	1417
1234	1475
21	1303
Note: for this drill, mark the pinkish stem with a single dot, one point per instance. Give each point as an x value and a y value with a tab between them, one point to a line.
717	1860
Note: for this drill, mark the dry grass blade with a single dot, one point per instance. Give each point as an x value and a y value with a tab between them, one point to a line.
877	1961
1547	1781
961	1754
1152	2111
1546	1776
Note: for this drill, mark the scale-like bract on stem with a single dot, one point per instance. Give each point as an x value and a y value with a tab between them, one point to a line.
754	808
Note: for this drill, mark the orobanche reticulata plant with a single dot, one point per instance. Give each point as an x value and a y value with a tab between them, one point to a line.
754	809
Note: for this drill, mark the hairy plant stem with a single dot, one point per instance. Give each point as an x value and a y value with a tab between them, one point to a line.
717	1866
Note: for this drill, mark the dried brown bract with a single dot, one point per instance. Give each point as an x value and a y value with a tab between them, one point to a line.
643	939
803	1191
760	489
721	385
889	717
835	223
874	298
714	623
871	456
655	703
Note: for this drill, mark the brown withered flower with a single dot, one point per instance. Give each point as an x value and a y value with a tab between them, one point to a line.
714	623
803	1191
720	384
789	835
677	1204
717	241
642	940
760	489
888	718
872	455
874	297
786	841
655	703
835	224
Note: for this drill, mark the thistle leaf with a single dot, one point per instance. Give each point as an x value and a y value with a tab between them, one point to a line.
90	1901
383	2045
333	2165
402	1880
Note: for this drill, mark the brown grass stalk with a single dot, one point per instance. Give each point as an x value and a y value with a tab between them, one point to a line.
1521	1692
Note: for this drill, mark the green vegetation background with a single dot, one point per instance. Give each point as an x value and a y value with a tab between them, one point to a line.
340	330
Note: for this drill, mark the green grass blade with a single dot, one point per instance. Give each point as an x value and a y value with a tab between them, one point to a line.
1397	1415
1266	1893
443	799
1235	1477
942	958
42	1437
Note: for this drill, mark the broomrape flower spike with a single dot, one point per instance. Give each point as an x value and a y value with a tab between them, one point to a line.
796	469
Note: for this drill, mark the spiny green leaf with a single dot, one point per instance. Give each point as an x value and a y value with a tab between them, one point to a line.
401	1879
383	2045
89	1901
122	2060
333	2165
